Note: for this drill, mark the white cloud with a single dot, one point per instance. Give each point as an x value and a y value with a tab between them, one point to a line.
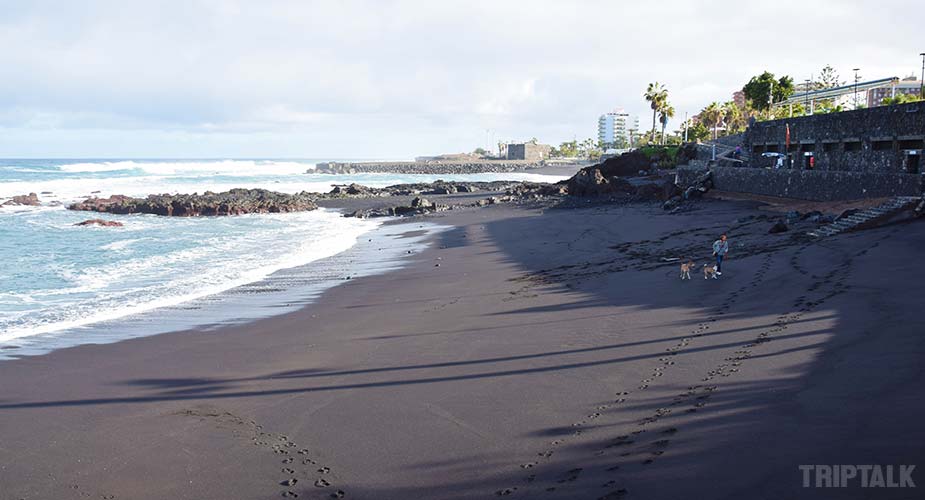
396	77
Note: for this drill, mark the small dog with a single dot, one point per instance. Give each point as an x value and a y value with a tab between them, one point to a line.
686	269
709	272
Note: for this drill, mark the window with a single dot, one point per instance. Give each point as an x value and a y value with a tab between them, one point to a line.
881	145
758	148
828	147
852	145
808	146
912	144
773	148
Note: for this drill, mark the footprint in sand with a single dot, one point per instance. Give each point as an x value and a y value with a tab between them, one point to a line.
614	495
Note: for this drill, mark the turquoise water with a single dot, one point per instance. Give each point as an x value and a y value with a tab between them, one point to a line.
61	284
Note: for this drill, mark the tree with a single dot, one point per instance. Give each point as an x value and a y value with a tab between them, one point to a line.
735	117
900	99
761	87
657	95
480	152
697	131
665	113
828	78
568	149
712	116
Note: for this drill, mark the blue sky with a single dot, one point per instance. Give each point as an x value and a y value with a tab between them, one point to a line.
395	79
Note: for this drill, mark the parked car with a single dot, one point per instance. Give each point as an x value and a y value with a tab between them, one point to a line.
779	162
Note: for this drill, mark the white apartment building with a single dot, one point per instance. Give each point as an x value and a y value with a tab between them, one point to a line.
617	128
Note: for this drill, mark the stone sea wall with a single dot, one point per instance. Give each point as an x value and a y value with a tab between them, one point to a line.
814	185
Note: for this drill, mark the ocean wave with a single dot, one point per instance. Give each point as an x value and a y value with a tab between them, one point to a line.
204	167
140	283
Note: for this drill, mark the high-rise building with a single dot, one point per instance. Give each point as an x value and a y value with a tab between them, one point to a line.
617	129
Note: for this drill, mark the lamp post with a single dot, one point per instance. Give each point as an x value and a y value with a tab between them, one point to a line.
856	79
922	80
770	98
809	81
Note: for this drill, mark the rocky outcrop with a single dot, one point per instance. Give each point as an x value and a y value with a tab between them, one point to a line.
426	167
430	188
592	182
100	222
30	199
779	227
660	190
418	206
233	202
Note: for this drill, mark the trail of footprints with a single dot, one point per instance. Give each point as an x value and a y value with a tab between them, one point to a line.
658	446
647	450
295	461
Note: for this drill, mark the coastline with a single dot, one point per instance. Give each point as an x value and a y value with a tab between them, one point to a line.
184	307
381	249
548	343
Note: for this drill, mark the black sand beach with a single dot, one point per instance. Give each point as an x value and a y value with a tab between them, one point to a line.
529	353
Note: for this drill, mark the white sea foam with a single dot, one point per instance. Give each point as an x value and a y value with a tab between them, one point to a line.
150	282
69	190
73	277
194	168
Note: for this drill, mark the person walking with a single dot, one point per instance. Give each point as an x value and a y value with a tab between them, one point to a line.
720	249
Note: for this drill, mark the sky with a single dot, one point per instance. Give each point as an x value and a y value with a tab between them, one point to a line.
394	79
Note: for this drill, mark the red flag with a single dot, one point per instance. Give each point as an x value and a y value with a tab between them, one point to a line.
787	140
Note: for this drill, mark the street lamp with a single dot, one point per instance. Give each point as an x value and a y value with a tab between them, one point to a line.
806	95
856	79
922	81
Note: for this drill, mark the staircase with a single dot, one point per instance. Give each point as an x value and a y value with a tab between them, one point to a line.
884	211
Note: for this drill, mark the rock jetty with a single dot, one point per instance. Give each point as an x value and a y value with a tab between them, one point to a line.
233	202
426	167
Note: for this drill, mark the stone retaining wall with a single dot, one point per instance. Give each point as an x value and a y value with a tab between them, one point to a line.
883	139
814	185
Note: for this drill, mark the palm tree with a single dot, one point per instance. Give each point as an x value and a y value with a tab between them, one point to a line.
734	117
665	114
712	115
657	95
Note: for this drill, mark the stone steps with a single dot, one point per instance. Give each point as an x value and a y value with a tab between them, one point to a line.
843	224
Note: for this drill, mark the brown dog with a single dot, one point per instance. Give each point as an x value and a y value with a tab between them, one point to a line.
709	272
686	269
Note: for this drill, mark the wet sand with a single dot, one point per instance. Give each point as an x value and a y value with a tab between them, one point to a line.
529	353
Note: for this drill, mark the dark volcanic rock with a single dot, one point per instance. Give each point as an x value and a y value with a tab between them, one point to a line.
847	213
626	165
355	190
233	202
30	199
99	222
662	190
778	227
591	182
426	167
